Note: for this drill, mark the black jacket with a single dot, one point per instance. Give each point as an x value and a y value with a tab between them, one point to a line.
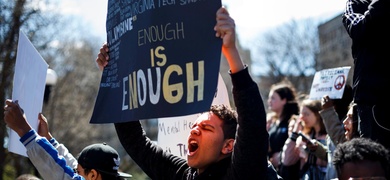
365	22
249	157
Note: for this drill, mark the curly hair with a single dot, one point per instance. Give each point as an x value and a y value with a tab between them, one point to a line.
360	149
229	118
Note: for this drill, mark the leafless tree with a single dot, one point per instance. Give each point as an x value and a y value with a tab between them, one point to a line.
288	52
35	23
70	49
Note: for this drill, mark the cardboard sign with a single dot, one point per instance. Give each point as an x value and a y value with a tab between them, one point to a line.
329	82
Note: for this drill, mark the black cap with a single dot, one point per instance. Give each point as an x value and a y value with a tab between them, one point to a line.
102	158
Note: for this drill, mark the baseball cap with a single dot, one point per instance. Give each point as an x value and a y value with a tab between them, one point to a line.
103	158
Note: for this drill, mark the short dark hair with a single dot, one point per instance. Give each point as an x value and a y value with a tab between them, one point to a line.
103	174
229	118
359	149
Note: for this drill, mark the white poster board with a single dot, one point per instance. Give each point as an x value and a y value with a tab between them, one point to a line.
28	87
329	82
173	131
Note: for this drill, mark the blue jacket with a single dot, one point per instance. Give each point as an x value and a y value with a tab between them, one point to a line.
51	159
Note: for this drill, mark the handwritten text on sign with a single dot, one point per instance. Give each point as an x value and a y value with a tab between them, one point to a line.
329	82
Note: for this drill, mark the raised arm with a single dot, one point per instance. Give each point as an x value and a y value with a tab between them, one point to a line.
43	130
40	151
225	29
251	144
361	17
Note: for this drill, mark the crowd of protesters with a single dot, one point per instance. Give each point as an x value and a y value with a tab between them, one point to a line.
304	139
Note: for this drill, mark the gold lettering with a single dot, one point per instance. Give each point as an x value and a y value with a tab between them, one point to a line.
191	82
169	89
133	99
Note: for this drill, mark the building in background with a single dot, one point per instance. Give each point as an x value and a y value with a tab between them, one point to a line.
335	46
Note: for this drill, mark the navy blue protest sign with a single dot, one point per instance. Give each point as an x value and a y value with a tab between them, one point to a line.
164	60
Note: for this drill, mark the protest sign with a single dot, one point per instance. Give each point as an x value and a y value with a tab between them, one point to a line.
164	60
28	87
329	82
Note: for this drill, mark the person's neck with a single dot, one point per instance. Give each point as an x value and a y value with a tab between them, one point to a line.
221	158
317	129
279	113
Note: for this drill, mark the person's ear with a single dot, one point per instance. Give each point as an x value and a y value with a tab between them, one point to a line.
93	174
284	101
228	146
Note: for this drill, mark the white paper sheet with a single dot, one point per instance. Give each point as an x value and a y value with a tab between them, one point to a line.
28	87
